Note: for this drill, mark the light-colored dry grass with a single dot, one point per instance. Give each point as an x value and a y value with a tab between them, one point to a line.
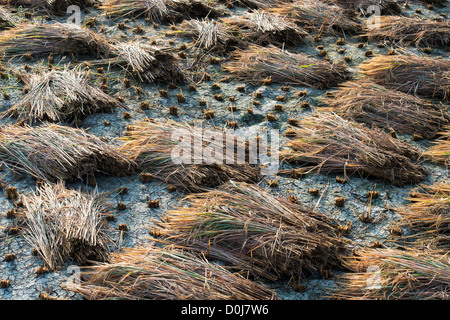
257	63
60	95
152	145
151	273
262	27
423	76
328	143
372	104
62	224
255	232
405	30
393	274
53	152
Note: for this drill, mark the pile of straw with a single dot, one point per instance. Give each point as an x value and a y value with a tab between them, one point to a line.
207	34
53	152
423	76
257	63
321	17
148	63
387	7
393	274
161	10
440	151
7	20
265	28
255	232
60	95
257	4
365	101
411	30
62	223
152	145
152	273
46	39
328	143
429	214
57	7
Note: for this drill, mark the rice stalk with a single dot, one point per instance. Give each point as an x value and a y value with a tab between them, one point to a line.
45	39
328	143
366	102
439	152
393	274
51	152
209	34
387	7
319	16
62	223
56	7
257	4
7	20
161	10
263	28
257	63
147	63
422	76
255	232
429	214
152	273
403	30
60	95
153	146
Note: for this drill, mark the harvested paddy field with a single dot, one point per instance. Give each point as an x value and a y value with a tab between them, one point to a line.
332	117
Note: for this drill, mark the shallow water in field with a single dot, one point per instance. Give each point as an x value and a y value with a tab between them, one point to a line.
26	285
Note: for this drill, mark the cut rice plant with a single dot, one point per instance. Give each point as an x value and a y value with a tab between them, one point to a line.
263	28
387	7
62	224
439	152
423	76
321	17
60	95
45	39
257	63
429	214
7	20
327	143
161	10
147	63
154	145
255	232
257	4
394	274
209	34
53	152
405	30
365	101
57	7
152	273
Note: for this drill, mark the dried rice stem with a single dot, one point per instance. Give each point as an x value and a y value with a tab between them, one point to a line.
264	28
258	63
151	146
422	76
365	101
53	152
403	274
60	95
152	273
328	143
63	223
256	232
